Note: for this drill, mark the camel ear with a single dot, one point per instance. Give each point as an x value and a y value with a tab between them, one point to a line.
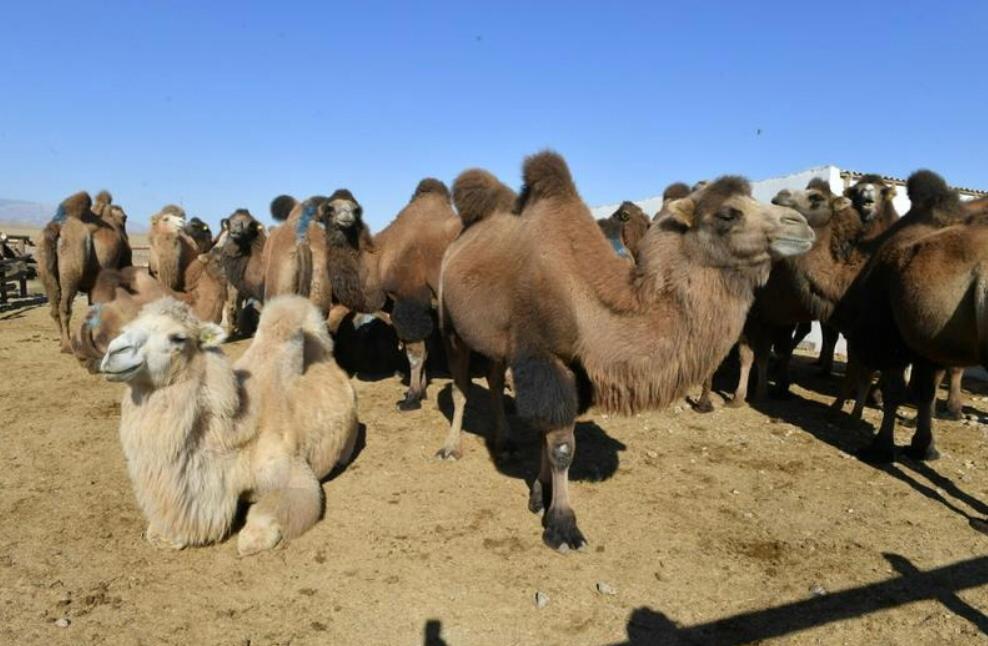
889	192
682	211
211	335
841	203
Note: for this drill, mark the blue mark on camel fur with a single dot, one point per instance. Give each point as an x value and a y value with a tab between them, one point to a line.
60	215
302	226
93	320
619	247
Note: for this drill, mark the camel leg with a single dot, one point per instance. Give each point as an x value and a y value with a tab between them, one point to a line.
65	316
785	348
561	531
541	492
417	354
459	367
862	382
802	331
827	347
746	355
703	404
504	446
925	378
955	398
283	512
882	447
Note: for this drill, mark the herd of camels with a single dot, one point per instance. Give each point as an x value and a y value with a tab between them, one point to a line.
625	314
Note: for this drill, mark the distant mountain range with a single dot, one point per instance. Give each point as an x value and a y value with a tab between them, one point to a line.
24	214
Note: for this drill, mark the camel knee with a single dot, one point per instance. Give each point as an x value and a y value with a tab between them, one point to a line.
561	454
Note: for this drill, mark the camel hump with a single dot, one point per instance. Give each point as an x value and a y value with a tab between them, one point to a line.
74	206
430	186
546	176
477	194
927	189
282	206
290	319
103	197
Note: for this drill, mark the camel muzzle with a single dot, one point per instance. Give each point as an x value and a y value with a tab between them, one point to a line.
122	360
793	238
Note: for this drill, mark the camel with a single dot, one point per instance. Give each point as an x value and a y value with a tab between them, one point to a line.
171	247
242	250
118	296
625	228
83	237
200	233
200	435
920	300
408	256
317	252
544	293
808	287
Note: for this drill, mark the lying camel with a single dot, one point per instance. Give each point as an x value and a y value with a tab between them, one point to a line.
200	435
544	293
83	238
408	254
919	300
171	247
625	228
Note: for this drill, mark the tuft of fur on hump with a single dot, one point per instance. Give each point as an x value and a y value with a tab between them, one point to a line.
545	176
676	191
928	190
819	184
477	194
74	206
433	186
281	207
103	197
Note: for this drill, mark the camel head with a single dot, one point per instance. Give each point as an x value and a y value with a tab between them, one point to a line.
817	203
200	232
341	211
627	211
171	218
154	349
730	228
242	227
869	194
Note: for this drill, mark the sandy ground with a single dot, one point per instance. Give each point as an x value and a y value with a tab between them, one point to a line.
734	527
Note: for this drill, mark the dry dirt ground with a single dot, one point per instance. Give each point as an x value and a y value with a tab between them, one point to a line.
735	527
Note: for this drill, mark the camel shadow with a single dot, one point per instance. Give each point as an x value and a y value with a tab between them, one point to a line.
648	626
596	456
850	436
432	633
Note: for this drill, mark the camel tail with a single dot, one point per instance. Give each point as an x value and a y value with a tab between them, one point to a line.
477	194
281	207
430	185
546	176
48	253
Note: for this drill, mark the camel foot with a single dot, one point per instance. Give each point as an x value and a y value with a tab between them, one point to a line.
979	524
162	542
921	453
410	402
451	454
876	453
561	532
703	406
258	537
953	415
735	402
538	497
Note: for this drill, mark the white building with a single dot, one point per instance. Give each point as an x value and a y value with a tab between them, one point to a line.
766	189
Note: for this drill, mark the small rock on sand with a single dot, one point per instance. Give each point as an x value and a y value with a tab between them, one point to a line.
541	600
63	622
605	588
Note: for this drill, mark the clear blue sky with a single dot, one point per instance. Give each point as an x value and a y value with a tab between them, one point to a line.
217	106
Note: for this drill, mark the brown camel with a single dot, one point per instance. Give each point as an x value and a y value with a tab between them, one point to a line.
318	252
409	252
200	233
119	295
81	239
242	249
545	294
807	288
171	248
920	300
625	228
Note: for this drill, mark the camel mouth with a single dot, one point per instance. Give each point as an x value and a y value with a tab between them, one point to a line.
123	374
783	247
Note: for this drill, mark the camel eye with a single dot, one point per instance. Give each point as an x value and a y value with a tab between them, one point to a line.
729	214
178	339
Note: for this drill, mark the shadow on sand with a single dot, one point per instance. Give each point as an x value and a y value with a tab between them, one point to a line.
647	626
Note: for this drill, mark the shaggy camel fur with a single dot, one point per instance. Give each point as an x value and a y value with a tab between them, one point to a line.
808	287
625	228
119	295
545	294
920	300
318	251
200	233
409	252
171	248
243	253
200	434
83	238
